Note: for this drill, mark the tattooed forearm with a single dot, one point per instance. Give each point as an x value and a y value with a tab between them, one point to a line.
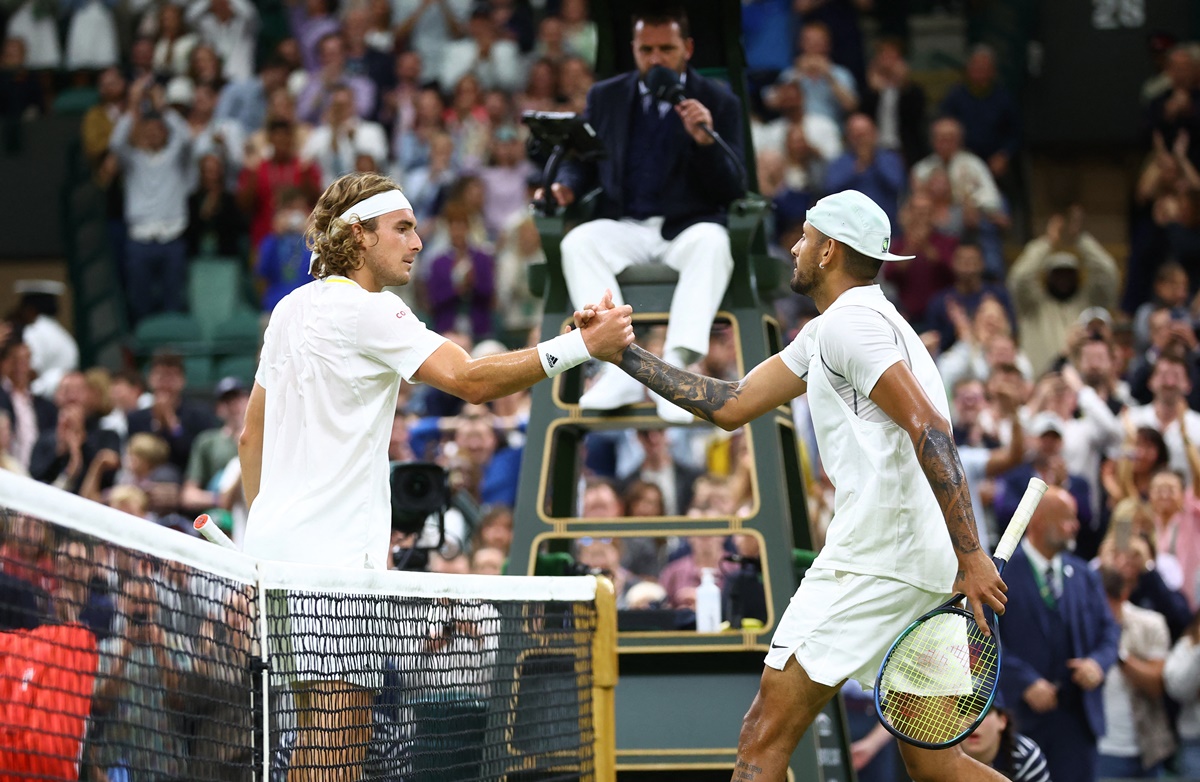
746	771
699	395
939	459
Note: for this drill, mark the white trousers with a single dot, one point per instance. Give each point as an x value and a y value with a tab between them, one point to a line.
595	252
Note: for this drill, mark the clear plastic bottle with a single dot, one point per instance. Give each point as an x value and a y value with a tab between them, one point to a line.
708	603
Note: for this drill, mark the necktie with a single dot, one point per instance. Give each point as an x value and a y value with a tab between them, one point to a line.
1051	582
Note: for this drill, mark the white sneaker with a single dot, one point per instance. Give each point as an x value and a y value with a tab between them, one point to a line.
671	412
611	390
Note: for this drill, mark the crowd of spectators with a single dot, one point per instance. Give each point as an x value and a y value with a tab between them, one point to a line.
211	137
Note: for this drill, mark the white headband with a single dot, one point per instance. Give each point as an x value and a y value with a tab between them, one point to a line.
367	209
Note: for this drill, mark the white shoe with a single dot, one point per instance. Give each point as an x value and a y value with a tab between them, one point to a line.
671	412
611	390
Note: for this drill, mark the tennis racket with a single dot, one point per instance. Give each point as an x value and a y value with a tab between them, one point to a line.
939	679
209	529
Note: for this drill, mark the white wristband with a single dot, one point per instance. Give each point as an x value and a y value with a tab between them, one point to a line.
563	352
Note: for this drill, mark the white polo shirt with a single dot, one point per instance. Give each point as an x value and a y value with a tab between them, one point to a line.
886	520
331	365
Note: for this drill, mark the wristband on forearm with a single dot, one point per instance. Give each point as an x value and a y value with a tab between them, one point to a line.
563	352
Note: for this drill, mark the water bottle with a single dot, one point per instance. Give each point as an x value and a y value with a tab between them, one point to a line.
708	603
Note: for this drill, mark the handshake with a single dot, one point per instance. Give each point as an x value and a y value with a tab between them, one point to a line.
607	328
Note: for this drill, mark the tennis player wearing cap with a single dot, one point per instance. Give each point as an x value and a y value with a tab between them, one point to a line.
903	534
314	448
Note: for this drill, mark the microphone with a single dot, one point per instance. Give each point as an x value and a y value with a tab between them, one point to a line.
663	84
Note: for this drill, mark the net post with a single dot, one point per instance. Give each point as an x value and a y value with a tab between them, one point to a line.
264	663
604	681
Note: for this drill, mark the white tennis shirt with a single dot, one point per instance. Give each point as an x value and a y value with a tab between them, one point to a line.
886	520
331	366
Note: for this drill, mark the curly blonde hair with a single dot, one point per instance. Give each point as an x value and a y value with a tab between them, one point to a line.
330	237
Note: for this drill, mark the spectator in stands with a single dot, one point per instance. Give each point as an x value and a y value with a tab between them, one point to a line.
1174	511
280	106
519	248
575	79
867	167
822	133
984	462
1045	462
398	104
125	391
429	26
411	142
52	349
655	154
495	529
1167	334
310	21
21	95
7	460
1181	677
1170	292
332	74
487	562
342	136
1054	669
579	30
967	292
505	179
212	136
175	42
31	414
246	100
681	576
983	343
99	120
153	149
216	226
829	89
997	743
204	67
170	416
64	452
658	466
483	466
918	281
1058	276
462	280
1177	109
986	111
467	121
1138	736
213	449
494	61
231	28
895	102
24	582
283	255
457	564
1170	385
139	692
604	556
972	187
37	40
259	188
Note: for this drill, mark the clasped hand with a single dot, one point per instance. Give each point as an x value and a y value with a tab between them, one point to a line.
607	328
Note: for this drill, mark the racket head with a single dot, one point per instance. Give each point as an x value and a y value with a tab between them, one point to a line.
938	680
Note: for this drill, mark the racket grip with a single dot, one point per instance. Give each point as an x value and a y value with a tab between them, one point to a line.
1020	520
209	529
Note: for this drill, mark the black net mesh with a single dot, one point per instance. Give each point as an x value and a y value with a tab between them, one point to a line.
119	665
123	665
429	689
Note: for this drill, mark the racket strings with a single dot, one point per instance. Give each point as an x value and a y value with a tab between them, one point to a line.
939	678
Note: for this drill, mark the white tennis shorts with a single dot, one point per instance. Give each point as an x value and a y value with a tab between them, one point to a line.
840	625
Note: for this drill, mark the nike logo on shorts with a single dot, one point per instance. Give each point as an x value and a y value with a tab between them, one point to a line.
777	646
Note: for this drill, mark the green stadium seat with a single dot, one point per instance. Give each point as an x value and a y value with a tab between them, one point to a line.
215	290
169	329
238	333
199	370
76	100
241	367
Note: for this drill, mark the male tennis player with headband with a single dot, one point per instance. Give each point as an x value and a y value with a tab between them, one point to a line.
314	448
903	537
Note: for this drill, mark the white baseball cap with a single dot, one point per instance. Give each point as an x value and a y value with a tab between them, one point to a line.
858	222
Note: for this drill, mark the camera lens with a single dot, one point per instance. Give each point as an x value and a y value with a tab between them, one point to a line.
419	485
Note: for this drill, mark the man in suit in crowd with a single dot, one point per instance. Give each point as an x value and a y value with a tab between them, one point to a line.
1062	639
666	187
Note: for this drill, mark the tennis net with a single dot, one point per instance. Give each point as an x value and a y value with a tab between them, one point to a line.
135	653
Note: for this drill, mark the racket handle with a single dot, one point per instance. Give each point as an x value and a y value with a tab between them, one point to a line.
209	529
1020	519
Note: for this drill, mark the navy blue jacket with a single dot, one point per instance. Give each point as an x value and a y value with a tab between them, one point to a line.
1025	631
702	181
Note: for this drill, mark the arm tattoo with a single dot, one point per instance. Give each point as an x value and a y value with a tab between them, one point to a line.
939	459
746	772
699	395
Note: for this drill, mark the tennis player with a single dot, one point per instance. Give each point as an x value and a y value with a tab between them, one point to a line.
903	536
314	449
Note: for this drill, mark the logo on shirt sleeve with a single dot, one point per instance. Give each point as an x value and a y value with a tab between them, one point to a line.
401	313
